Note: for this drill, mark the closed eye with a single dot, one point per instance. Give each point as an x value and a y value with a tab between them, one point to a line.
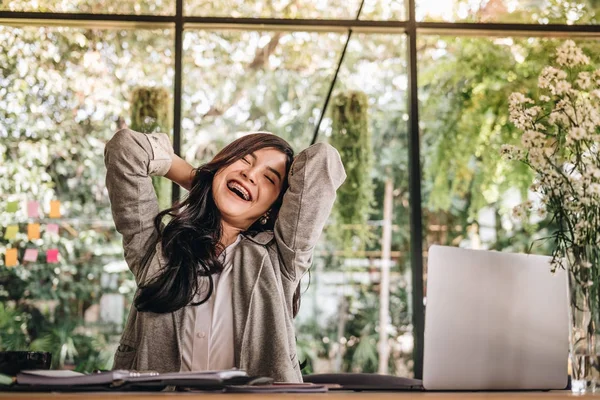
246	161
271	180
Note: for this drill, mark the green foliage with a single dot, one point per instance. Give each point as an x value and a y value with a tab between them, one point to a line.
351	136
318	339
151	113
150	110
53	131
362	328
468	123
13	328
465	123
71	345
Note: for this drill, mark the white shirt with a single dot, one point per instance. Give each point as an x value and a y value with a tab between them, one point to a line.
207	342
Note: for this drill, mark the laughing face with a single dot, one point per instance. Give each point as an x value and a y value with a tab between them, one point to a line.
245	190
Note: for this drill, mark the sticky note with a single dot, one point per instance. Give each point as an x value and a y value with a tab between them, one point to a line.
33	231
12	206
33	209
30	255
52	256
55	209
11	231
11	257
52	228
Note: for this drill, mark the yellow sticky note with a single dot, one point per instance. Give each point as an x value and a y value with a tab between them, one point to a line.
11	232
33	231
55	209
11	257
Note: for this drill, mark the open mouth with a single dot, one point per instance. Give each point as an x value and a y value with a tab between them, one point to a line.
239	190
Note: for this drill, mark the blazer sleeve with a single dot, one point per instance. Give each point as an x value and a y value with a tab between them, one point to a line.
131	158
314	177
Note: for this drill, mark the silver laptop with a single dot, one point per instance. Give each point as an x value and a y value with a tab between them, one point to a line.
494	321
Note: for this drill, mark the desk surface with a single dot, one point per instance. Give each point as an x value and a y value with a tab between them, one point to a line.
335	395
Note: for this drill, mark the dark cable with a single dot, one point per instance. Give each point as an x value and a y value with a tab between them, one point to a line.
314	139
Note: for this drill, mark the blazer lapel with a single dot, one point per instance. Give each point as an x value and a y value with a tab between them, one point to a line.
248	261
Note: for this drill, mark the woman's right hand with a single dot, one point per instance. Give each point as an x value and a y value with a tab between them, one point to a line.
181	172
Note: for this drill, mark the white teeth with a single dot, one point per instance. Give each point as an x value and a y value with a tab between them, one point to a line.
239	187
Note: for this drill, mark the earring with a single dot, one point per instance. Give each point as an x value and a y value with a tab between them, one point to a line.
263	220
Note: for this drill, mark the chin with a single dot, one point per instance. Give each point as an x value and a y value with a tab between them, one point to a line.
232	208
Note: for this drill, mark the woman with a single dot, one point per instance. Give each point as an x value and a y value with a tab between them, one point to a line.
218	284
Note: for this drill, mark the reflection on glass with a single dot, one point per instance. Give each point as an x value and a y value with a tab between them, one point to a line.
64	92
275	81
509	11
154	7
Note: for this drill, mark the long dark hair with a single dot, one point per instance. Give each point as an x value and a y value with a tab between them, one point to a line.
190	240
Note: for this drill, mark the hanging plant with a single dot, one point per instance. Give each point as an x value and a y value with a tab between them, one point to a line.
352	137
150	113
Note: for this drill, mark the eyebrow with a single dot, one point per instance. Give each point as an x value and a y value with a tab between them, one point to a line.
273	170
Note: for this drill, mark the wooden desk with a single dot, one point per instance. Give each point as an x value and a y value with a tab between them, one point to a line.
336	395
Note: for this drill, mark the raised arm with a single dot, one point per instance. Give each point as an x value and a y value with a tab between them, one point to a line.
131	158
315	175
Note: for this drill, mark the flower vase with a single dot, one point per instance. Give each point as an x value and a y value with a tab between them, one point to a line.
584	335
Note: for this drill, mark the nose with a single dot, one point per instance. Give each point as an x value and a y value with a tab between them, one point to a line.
249	174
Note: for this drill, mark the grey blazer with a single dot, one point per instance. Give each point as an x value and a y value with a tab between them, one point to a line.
266	267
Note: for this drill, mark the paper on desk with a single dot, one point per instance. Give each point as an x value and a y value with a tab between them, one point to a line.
69	378
278	388
63	378
200	375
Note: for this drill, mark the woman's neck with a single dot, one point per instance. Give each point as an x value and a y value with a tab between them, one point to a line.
229	235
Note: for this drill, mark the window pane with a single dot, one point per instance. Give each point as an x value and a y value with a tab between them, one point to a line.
515	11
352	279
154	7
249	81
468	189
274	81
315	9
384	10
63	93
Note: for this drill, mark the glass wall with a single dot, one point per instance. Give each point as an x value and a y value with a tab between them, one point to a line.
151	7
469	190
509	11
63	93
301	9
277	81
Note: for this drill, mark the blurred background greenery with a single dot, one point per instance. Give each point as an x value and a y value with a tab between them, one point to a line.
65	90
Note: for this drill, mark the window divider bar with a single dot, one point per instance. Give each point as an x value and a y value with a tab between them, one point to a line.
333	25
178	78
502	29
414	177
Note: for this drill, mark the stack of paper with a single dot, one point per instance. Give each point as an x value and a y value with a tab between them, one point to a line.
124	379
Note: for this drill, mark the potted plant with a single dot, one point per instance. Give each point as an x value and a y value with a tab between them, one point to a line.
560	142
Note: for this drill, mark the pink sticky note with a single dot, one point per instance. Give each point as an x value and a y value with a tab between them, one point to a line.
52	256
52	228
30	255
33	209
